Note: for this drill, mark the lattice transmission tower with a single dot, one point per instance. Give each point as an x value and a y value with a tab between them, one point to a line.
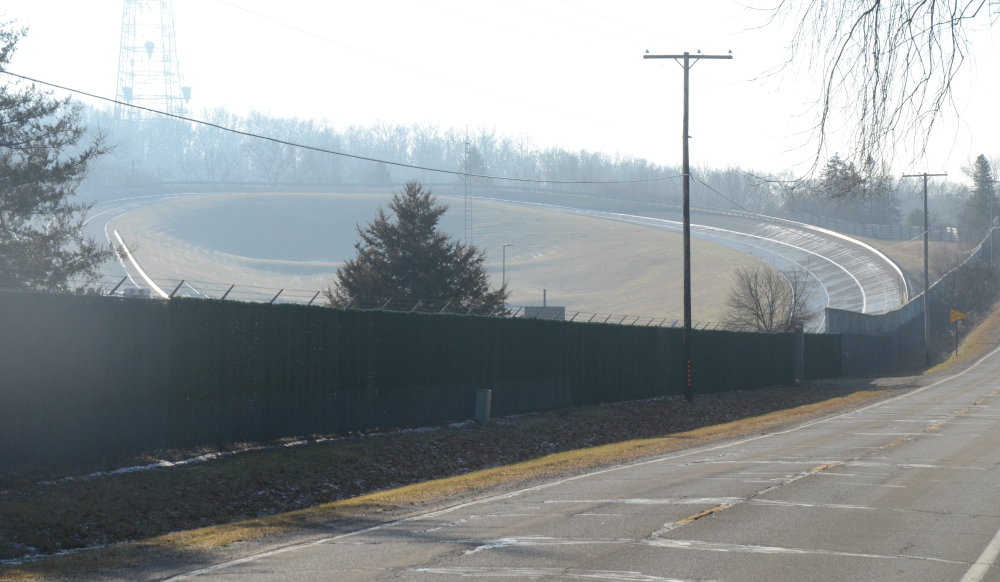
148	71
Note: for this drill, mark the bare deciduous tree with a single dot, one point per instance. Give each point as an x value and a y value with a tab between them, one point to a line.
764	299
889	65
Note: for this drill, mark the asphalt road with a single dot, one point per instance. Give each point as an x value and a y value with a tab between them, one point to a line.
905	489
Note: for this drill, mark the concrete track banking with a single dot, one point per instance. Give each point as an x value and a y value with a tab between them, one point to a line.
848	274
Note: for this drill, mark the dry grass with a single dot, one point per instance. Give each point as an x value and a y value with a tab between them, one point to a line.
586	264
909	256
542	446
983	338
265	496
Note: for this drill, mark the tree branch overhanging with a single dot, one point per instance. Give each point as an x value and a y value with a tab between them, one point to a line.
887	67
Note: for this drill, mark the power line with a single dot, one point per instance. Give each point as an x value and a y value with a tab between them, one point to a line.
587	28
619	23
724	197
558	111
328	151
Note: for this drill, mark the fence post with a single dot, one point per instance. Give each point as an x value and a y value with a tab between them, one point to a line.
112	292
799	359
484	401
176	289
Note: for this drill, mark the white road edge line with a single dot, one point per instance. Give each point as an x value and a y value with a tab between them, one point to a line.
982	565
119	258
142	273
630	218
833	233
726	445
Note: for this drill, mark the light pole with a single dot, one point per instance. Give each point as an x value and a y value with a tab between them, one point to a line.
993	219
685	62
503	271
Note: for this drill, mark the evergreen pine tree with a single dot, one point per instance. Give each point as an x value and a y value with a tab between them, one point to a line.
981	207
409	260
42	161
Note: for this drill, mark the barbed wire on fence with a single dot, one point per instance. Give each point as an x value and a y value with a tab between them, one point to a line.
170	288
903	232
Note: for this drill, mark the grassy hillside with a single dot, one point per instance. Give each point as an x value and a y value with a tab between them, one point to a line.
298	241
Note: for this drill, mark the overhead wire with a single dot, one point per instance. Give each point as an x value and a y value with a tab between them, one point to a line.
723	196
563	21
618	23
760	217
325	150
769	220
558	111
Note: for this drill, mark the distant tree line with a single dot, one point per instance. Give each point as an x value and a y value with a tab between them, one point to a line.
864	195
165	150
871	195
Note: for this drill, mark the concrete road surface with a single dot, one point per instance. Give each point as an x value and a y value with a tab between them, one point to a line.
906	489
848	273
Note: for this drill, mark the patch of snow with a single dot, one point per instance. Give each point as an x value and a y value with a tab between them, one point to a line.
157	464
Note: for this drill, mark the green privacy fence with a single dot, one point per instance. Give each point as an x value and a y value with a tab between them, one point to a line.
86	378
853	354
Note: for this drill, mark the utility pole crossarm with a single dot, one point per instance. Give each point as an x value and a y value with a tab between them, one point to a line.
685	62
688	55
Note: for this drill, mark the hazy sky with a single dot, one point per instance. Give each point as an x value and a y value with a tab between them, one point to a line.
565	73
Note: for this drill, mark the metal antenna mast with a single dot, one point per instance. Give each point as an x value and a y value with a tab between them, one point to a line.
148	72
685	61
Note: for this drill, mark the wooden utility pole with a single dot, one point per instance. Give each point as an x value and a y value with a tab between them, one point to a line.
685	60
926	306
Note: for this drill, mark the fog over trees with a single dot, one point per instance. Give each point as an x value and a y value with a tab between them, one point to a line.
981	206
162	151
284	154
843	191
